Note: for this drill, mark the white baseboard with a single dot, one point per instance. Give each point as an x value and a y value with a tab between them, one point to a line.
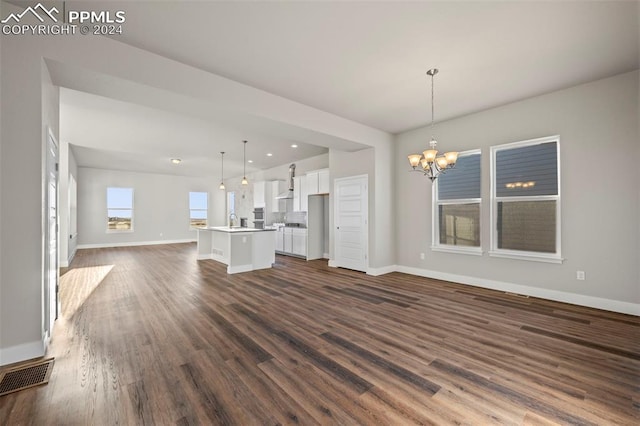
135	243
381	271
239	268
543	293
332	263
22	352
65	263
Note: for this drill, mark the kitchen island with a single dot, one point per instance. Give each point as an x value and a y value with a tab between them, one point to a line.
241	249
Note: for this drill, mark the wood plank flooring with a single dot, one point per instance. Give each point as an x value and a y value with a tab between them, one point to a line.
151	336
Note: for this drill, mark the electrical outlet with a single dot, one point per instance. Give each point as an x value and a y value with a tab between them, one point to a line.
421	256
580	275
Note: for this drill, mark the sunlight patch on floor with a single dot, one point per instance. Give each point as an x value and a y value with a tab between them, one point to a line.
77	285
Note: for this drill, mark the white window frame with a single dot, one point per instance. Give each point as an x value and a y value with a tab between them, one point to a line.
435	222
198	210
518	254
133	204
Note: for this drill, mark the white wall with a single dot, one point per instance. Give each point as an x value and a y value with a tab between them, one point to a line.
161	206
30	108
599	138
383	253
375	163
346	164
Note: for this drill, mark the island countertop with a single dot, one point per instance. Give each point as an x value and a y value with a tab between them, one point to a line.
234	229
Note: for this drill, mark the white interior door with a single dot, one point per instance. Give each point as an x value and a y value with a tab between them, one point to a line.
351	223
51	237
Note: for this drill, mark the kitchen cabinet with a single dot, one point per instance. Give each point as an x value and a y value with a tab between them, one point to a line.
277	188
280	239
259	192
288	240
296	194
304	195
292	241
299	242
317	182
300	194
312	182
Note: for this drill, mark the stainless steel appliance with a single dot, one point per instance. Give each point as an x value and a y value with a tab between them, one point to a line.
258	217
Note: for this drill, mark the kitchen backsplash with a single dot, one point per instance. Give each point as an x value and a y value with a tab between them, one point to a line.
296	217
277	217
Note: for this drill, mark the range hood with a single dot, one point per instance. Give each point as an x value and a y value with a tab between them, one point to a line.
288	194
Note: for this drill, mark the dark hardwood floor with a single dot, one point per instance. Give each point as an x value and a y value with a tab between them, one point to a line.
151	336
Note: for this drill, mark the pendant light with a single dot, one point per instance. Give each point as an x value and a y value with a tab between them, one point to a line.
244	164
221	170
429	162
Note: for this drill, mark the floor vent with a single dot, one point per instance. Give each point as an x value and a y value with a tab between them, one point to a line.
25	376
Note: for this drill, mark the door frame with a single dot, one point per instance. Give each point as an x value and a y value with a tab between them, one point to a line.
50	299
364	179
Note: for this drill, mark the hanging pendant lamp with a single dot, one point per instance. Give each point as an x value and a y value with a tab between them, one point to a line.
221	170
244	164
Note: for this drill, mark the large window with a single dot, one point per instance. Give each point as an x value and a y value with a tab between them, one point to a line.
525	193
198	208
119	209
456	216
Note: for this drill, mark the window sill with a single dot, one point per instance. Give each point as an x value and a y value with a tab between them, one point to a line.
119	231
474	251
528	256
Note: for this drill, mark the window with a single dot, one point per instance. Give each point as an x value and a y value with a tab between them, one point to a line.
231	203
525	208
198	209
119	209
456	216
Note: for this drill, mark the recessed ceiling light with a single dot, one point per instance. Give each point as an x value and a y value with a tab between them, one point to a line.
269	154
249	161
294	146
176	160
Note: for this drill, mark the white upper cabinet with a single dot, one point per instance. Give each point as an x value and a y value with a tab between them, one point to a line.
312	183
277	188
318	182
304	194
259	192
300	194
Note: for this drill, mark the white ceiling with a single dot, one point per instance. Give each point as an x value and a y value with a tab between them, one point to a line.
112	134
364	61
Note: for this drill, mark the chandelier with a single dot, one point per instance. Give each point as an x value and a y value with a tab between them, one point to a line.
429	163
